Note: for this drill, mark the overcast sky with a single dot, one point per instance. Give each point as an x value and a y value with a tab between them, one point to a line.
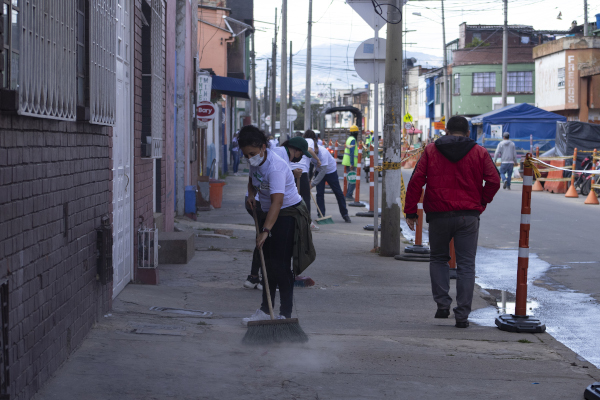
336	23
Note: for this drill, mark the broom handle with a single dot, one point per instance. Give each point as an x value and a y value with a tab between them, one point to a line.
264	269
318	209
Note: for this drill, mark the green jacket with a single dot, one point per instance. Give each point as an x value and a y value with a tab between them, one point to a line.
304	251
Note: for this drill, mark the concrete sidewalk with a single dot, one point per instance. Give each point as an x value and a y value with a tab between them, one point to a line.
369	319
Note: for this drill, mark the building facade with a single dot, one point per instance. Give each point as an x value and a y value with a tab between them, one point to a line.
567	80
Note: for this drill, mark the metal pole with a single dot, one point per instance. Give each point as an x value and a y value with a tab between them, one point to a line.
291	100
267	103
390	207
376	145
505	54
307	106
446	81
283	97
585	18
274	81
254	103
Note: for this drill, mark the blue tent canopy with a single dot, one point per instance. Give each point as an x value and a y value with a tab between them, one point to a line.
520	120
231	86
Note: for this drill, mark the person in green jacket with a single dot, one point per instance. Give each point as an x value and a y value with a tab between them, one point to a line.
350	160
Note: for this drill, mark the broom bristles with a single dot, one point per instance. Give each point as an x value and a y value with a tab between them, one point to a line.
274	331
325	220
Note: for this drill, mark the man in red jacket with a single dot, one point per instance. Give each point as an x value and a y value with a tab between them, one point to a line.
454	168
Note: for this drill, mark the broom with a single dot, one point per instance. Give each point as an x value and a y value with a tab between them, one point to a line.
273	330
323	220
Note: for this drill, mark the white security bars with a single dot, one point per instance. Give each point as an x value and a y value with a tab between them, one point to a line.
102	62
158	73
47	79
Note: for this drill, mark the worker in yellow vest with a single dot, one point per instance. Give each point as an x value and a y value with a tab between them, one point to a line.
350	159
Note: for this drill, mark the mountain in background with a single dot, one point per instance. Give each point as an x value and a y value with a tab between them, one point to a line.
330	64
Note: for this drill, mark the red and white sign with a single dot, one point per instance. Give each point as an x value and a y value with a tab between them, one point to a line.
205	111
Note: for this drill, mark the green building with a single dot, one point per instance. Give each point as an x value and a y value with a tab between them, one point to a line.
477	89
475	61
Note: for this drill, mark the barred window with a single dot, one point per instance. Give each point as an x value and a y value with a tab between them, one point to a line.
59	33
11	43
520	81
152	78
484	82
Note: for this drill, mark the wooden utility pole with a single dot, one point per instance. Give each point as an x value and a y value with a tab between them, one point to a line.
307	106
283	98
390	207
291	100
274	81
505	54
254	103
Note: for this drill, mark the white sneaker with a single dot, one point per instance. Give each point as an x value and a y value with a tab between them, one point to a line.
280	317
257	316
313	227
259	286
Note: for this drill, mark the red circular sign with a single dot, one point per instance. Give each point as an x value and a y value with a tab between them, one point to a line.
205	111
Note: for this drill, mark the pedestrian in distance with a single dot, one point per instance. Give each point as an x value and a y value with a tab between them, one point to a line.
284	225
350	160
454	168
327	172
273	142
508	153
235	153
290	150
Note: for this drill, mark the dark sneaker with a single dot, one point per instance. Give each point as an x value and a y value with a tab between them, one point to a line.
252	282
462	324
508	187
504	187
442	313
347	218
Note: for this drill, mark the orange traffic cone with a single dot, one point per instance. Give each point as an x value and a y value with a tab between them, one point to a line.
572	192
592	198
537	187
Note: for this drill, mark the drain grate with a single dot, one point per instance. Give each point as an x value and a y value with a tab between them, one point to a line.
181	311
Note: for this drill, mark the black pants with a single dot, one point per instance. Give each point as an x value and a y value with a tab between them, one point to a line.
278	260
334	184
305	190
255	257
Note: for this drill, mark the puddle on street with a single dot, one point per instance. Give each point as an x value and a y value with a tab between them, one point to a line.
410	235
571	317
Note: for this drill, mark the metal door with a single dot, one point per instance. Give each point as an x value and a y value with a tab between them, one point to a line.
122	155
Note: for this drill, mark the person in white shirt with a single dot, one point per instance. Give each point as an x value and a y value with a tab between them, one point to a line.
273	142
327	172
304	166
289	151
284	216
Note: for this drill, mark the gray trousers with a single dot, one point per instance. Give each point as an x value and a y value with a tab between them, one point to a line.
465	231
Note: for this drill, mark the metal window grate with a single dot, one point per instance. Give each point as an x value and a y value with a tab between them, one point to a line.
103	62
47	84
147	247
157	65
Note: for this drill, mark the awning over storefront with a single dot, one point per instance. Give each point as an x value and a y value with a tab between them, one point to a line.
231	86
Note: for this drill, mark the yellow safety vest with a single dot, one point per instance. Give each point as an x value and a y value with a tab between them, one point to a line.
346	159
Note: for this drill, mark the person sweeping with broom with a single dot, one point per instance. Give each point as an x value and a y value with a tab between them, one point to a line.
282	235
327	172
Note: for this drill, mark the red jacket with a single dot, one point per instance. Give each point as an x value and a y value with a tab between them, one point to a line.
454	169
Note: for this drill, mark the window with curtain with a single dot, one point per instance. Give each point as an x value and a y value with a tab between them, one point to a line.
456	83
484	82
520	81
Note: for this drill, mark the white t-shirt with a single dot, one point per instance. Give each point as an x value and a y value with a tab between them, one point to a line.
282	153
327	161
273	143
304	163
320	142
274	176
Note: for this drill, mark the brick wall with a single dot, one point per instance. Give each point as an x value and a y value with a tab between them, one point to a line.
54	189
143	167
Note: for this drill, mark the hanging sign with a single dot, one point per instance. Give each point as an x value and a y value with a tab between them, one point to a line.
351	177
408	118
204	87
205	111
